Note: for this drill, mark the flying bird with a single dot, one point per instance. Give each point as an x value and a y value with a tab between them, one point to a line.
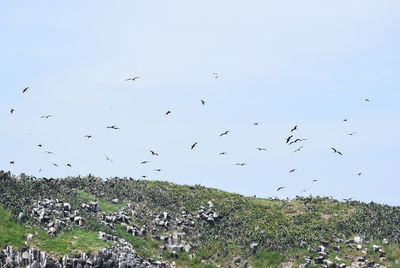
294	128
194	145
153	153
12	110
88	136
222	153
48	152
144	162
69	165
157	169
367	100
215	75
203	102
12	162
54	164
167	113
314	180
46	116
144	176
132	78
261	149
352	133
288	138
25	89
113	127
108	159
280	188
292	170
240	164
39	145
359	174
298	149
296	140
336	151
345	120
305	190
255	124
225	133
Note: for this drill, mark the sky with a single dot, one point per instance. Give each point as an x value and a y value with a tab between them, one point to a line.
279	63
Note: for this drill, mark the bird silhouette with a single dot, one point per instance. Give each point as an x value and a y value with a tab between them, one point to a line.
46	116
314	180
48	152
25	89
54	164
168	112
203	102
39	145
288	138
292	170
69	165
157	169
261	149
345	120
144	162
153	153
132	78
113	127
367	100
336	151
256	124
294	128
280	188
222	153
12	162
352	133
215	75
225	133
194	145
305	190
88	136
240	164
12	110
108	159
359	174
298	149
144	176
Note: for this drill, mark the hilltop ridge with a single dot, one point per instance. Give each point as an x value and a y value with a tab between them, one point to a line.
160	224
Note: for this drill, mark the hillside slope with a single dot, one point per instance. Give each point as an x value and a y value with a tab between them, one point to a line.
162	224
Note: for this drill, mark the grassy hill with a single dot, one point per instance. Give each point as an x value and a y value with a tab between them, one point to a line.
220	227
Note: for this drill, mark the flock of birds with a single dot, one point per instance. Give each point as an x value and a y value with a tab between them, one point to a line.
290	140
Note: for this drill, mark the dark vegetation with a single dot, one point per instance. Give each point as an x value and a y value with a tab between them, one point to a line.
284	230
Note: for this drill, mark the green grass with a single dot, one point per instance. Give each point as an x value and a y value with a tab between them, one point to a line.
11	233
75	240
267	259
105	206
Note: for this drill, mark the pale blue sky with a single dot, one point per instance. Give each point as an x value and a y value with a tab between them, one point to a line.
280	63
